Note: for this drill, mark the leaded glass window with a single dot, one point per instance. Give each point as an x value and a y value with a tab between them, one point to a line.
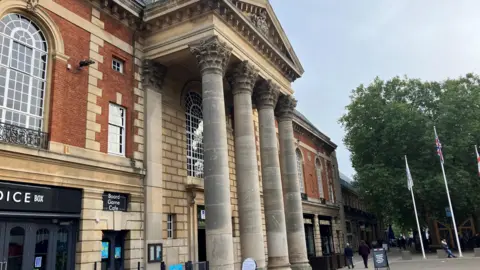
23	71
194	118
300	170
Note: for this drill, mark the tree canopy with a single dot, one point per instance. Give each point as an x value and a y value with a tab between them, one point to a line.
387	120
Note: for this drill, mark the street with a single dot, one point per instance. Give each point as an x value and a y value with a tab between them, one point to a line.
432	262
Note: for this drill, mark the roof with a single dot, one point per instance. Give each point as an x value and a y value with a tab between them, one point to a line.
298	116
346	182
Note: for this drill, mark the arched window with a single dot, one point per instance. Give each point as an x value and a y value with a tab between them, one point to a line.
23	71
194	118
318	170
300	170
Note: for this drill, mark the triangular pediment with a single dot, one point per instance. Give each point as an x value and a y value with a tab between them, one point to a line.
260	13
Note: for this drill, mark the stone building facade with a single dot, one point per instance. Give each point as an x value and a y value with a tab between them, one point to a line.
360	224
137	131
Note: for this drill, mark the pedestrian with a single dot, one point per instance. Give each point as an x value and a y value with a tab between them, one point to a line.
364	251
447	250
477	240
349	256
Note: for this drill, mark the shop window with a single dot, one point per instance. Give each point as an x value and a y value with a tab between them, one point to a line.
15	247
62	250
116	130
41	249
194	132
171	226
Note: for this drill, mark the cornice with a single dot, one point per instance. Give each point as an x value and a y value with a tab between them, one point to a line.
127	11
162	16
318	139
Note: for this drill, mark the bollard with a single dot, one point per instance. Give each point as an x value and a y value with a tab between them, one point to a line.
189	265
138	266
163	266
95	266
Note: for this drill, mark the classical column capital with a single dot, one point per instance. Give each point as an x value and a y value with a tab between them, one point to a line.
266	95
212	55
243	78
285	108
153	74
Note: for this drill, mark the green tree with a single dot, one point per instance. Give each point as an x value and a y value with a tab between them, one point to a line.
387	120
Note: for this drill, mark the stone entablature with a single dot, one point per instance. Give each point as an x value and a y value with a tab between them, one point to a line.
162	15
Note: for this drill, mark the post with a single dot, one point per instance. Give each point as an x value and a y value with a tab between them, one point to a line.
451	211
418	223
95	266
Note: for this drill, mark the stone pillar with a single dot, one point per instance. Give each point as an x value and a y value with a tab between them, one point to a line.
248	189
297	248
266	98
152	80
212	56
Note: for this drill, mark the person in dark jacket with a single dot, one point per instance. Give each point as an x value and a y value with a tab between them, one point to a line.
349	256
364	251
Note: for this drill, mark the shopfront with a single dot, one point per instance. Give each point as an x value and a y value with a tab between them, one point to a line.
308	223
326	235
38	226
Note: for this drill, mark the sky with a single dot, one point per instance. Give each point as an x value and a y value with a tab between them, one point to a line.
342	44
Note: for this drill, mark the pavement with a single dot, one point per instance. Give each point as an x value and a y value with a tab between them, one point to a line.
467	262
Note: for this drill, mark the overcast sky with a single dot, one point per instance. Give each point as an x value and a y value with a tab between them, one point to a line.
342	44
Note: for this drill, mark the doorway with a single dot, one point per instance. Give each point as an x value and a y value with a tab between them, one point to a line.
113	245
28	245
201	234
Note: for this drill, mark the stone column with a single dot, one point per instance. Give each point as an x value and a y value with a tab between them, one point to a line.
212	56
152	80
248	189
297	248
266	98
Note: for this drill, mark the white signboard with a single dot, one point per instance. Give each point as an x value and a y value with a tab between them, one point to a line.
202	214
249	264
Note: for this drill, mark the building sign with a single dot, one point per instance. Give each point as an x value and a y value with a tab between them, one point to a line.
115	201
324	222
380	258
155	253
201	216
31	198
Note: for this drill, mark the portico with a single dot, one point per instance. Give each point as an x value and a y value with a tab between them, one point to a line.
212	139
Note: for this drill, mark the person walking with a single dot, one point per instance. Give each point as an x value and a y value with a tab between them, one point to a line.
349	256
364	251
447	250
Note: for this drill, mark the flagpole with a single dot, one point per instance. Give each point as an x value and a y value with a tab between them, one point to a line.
418	224
415	209
450	204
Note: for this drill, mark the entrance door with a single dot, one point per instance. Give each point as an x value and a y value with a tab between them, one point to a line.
37	246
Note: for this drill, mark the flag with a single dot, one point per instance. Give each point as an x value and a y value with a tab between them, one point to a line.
409	176
439	146
478	160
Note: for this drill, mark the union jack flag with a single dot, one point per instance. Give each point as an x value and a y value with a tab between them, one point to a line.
439	146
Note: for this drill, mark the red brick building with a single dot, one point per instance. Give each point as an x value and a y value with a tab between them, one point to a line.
320	184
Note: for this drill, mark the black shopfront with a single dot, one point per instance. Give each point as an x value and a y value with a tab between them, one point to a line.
38	226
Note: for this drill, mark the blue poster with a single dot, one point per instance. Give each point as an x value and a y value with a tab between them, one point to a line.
105	250
176	267
118	252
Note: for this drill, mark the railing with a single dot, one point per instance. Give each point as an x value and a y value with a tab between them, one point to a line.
23	136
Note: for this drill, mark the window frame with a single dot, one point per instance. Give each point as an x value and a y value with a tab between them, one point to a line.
121	65
319	171
194	100
300	174
171	226
34	80
122	133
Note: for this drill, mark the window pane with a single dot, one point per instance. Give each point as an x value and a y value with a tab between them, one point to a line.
194	132
41	250
15	248
61	258
22	71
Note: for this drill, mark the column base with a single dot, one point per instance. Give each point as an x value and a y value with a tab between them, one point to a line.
301	266
278	268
